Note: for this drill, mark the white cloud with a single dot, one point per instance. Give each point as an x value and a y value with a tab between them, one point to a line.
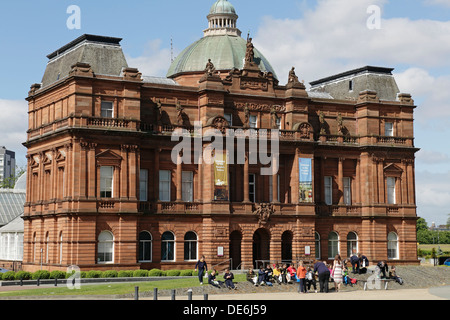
444	3
155	61
14	126
431	90
433	196
432	157
333	37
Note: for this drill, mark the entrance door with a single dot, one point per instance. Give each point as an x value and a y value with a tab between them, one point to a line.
235	249
261	247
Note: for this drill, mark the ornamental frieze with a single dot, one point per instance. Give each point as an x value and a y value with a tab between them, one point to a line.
258	107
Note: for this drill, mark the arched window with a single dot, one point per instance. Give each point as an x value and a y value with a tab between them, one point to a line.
333	244
392	245
145	247
168	246
190	246
317	242
105	250
352	244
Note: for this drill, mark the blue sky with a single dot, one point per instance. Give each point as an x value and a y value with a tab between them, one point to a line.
319	37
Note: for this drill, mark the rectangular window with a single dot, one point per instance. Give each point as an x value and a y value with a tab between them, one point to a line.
106	182
229	118
271	188
253	122
107	109
188	186
389	129
279	123
143	185
328	185
164	185
252	187
347	191
390	181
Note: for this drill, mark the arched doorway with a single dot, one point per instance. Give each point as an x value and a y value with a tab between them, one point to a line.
235	249
286	246
261	247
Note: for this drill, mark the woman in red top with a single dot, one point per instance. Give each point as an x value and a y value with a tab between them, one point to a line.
291	273
301	275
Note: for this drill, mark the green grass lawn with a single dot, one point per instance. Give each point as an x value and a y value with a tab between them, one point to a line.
444	247
112	288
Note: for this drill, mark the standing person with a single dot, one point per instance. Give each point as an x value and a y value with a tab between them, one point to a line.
354	260
301	276
324	275
202	268
228	276
337	272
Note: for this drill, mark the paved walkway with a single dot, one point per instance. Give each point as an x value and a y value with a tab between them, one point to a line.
441	293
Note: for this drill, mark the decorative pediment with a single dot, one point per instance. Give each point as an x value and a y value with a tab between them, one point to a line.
393	170
108	158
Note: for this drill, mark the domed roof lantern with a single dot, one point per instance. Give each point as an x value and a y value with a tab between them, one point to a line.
222	19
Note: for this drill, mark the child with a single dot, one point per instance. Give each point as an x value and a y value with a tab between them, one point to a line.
212	280
228	276
252	277
301	275
311	279
291	273
393	275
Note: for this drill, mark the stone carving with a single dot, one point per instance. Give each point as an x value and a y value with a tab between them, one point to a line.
250	53
180	110
259	107
292	76
220	124
305	129
247	116
322	122
274	116
210	68
264	211
158	111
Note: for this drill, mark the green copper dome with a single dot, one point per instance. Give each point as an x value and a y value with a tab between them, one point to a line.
222	6
226	52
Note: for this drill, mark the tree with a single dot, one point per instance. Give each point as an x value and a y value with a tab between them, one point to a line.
421	225
10	182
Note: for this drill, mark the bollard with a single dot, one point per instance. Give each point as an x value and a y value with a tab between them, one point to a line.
190	294
56	282
21	282
38	283
172	293
155	294
136	293
205	296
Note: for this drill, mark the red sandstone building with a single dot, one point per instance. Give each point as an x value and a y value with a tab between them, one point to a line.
104	193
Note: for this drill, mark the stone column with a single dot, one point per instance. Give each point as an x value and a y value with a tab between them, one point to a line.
246	177
179	177
341	180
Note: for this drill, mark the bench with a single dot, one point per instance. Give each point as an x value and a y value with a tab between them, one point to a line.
385	281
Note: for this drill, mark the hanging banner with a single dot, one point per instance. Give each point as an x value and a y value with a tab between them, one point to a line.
220	177
305	180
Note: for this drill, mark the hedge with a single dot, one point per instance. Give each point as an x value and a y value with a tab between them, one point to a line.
40	274
93	274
